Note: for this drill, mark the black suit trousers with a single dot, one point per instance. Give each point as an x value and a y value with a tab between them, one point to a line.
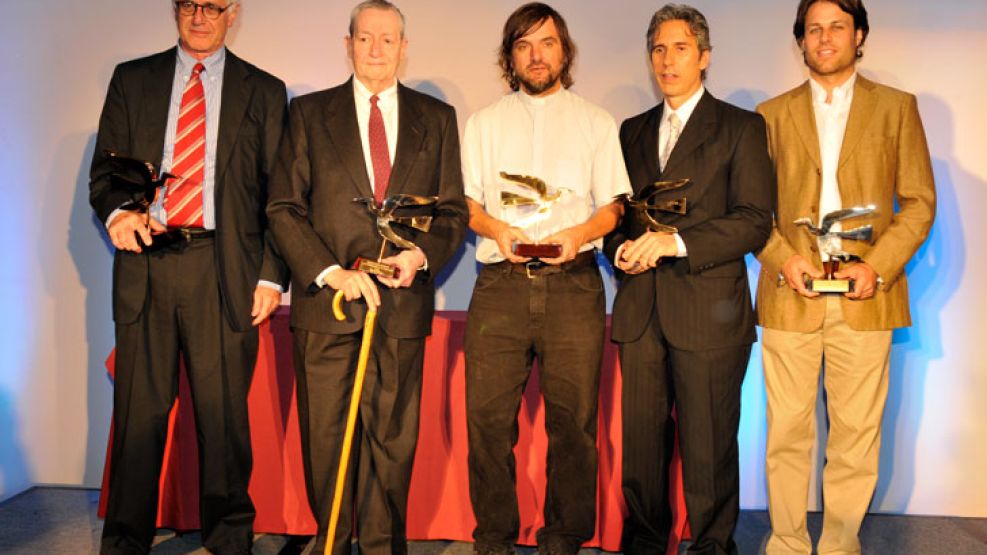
384	442
183	317
703	387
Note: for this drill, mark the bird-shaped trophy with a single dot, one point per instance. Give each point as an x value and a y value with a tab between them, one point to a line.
540	201
139	179
646	206
386	214
830	242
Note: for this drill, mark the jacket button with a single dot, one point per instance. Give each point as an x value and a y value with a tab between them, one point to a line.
813	248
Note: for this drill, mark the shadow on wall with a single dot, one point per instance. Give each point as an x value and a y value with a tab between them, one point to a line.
15	476
454	283
92	255
934	274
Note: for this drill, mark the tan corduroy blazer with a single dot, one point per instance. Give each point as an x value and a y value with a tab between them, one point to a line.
884	161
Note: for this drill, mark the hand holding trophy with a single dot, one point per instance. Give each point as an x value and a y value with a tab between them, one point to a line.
540	200
831	244
646	250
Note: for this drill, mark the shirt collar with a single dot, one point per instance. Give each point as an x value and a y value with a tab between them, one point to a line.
384	97
213	63
840	93
685	110
540	100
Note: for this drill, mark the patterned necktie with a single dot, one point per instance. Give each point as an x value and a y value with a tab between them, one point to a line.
183	199
379	154
674	128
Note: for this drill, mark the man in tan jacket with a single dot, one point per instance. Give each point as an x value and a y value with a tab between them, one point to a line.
837	141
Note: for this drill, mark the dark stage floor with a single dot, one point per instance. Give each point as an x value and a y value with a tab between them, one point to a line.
62	521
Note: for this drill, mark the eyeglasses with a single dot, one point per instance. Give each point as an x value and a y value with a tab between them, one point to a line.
210	10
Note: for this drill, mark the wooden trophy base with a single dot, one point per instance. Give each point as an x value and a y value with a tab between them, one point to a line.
537	250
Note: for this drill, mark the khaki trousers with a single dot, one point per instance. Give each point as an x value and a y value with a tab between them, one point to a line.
856	383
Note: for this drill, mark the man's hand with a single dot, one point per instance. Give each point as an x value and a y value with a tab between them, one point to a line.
864	280
570	239
506	237
647	250
408	262
794	268
266	301
626	267
126	223
354	284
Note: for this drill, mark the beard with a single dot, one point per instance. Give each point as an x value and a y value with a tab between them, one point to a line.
534	87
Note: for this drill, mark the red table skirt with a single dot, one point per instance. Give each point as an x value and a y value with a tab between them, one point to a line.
439	506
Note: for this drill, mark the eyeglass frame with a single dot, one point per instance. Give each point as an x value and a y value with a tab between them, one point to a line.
183	4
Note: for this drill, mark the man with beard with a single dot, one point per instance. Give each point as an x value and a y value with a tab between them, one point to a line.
838	140
343	143
196	278
683	314
524	308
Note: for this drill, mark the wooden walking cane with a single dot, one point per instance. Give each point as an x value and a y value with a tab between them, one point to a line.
361	370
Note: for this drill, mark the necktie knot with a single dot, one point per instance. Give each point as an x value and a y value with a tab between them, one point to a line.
373	100
199	68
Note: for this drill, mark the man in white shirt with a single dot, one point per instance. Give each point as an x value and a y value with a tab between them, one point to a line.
550	309
683	314
369	137
839	140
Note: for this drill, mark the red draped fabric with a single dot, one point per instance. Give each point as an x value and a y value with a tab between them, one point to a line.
439	506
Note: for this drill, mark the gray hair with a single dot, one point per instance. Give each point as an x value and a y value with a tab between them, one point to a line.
691	16
377	5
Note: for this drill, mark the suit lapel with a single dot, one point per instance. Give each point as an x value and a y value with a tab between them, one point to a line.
647	144
701	126
235	98
804	118
344	134
861	111
156	99
411	135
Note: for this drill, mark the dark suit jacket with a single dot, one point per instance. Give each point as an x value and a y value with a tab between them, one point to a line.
703	300
250	124
320	171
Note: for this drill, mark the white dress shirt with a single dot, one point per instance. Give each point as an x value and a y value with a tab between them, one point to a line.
831	119
562	139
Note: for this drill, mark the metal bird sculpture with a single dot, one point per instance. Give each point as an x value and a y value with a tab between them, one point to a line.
542	199
645	206
138	178
863	233
385	216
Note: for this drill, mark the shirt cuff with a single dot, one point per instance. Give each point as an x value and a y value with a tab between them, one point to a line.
270	285
113	215
320	280
683	252
616	256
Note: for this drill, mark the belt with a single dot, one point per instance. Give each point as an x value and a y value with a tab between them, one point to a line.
179	237
537	268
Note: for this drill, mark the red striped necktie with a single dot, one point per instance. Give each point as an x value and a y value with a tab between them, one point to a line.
379	154
183	199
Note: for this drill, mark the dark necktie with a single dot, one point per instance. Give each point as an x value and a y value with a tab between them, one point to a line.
379	154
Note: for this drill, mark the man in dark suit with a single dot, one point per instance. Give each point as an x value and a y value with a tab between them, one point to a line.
196	278
369	135
683	313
